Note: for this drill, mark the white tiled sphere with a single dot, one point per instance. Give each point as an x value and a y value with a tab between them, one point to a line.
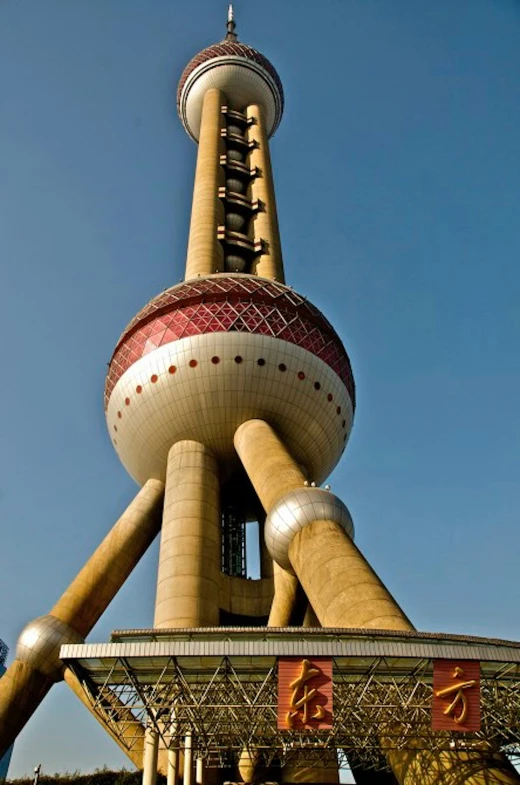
242	81
208	402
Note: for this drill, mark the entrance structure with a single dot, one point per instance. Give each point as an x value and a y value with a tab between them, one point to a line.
229	398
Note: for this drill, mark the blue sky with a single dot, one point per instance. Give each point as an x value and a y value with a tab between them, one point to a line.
398	183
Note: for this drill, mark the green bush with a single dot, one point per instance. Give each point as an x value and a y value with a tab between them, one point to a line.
98	777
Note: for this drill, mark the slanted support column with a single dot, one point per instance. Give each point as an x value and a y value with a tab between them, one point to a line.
272	472
189	558
343	589
269	263
205	253
346	592
37	665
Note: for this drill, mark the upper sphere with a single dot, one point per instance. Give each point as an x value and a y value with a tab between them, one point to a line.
244	75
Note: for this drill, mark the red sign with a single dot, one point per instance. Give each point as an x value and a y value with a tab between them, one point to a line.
456	695
304	693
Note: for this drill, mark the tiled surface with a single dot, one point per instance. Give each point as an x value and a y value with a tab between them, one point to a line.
229	304
242	73
40	642
298	509
195	388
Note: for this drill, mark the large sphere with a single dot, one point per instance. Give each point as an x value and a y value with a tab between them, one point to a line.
205	356
244	75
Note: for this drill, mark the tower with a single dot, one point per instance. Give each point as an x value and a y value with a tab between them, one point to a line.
231	396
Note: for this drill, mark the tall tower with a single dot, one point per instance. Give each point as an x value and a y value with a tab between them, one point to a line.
229	398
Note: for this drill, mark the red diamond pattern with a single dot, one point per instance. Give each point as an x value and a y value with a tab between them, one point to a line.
229	303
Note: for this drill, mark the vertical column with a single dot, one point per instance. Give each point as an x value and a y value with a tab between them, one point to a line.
173	754
189	558
199	771
205	253
151	750
188	759
269	264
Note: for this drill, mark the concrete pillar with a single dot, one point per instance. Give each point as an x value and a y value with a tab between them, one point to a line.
151	751
173	762
95	586
188	759
205	253
189	557
269	264
272	472
346	592
173	755
284	600
24	685
199	771
343	588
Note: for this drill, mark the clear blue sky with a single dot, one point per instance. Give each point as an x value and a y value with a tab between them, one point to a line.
398	180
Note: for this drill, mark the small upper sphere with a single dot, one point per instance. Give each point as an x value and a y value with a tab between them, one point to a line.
244	75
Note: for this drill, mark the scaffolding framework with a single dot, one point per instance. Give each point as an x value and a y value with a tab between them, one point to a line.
221	685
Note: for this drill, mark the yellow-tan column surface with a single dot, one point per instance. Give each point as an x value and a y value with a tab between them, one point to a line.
205	253
269	263
96	585
272	472
343	588
189	558
26	682
346	592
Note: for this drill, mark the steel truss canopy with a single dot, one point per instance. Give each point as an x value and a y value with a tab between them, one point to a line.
221	684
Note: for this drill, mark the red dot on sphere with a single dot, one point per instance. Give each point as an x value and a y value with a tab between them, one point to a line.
338	410
261	361
282	367
154	378
301	375
119	415
238	359
172	369
138	389
193	363
127	401
329	397
215	360
317	386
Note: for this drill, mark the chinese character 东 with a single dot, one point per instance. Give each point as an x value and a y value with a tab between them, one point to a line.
459	699
302	695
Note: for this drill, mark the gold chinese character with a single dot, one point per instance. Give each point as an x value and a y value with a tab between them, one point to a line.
298	703
459	699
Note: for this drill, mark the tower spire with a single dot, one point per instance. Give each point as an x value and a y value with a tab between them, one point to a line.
231	24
